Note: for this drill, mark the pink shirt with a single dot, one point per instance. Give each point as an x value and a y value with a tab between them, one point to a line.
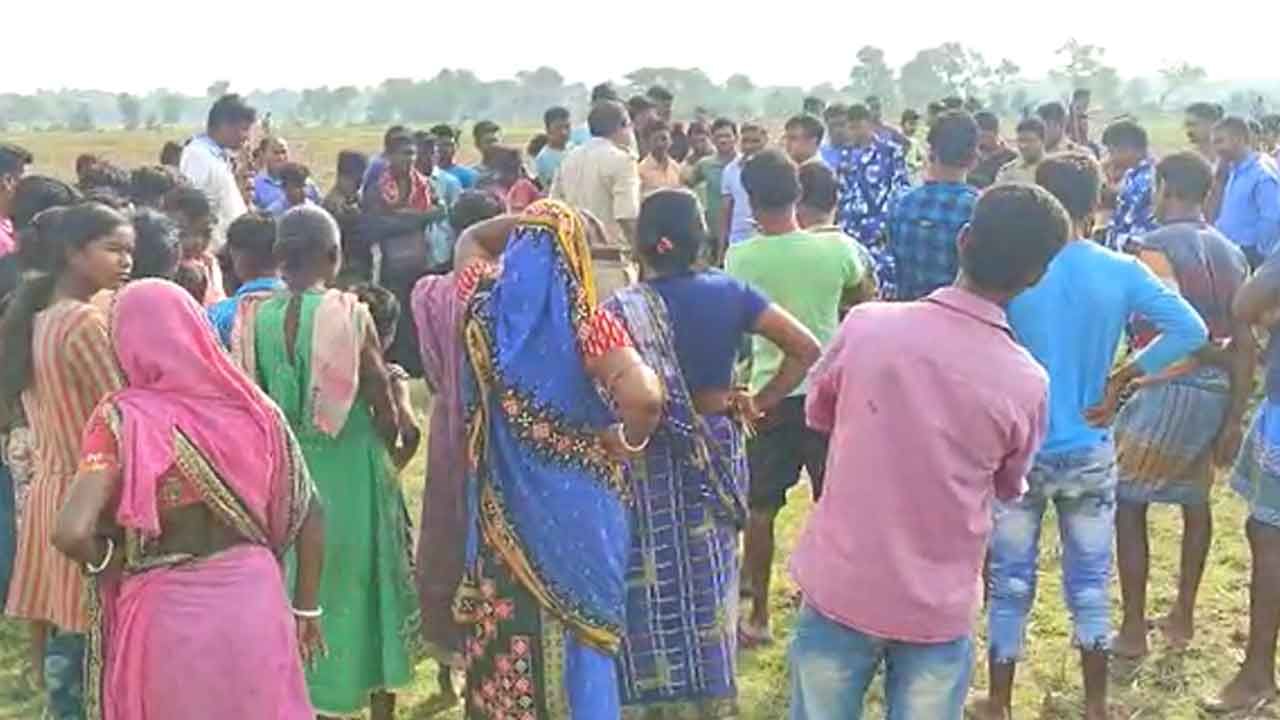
933	410
7	244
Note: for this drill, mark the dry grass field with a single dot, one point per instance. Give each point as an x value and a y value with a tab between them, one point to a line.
1165	686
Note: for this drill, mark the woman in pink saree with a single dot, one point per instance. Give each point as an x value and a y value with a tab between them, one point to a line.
190	490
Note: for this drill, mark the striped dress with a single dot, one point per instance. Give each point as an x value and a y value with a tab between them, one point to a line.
73	370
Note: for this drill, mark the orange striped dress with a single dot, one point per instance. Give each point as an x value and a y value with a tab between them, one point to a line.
73	370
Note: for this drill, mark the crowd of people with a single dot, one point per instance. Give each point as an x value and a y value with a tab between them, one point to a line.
639	336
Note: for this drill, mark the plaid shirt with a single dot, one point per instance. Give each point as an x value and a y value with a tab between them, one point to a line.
1135	213
923	228
869	179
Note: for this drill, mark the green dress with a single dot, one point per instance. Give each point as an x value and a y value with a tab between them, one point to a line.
371	616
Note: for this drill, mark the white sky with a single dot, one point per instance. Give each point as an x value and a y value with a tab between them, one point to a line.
138	45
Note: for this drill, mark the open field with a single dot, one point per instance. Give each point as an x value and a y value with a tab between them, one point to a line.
1165	686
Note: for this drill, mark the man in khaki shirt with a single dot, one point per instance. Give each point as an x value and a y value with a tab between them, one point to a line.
1030	153
601	177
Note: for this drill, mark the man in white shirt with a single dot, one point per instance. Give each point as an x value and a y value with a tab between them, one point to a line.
206	161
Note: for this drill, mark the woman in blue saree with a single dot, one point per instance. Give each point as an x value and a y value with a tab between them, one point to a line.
544	597
678	656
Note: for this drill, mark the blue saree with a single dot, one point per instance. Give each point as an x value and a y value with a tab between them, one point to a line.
678	657
544	597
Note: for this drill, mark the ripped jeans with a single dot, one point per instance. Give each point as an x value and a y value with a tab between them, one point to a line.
1082	486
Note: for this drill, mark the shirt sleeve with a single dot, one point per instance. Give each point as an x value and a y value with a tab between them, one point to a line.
825	379
1181	329
602	334
98	450
1026	436
1267	196
752	303
626	190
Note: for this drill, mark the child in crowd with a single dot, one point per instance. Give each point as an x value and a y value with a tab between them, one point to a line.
190	208
385	311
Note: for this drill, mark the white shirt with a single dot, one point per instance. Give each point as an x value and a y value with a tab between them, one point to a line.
208	167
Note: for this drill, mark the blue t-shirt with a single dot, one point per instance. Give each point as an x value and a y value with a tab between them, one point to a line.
710	314
1072	322
465	175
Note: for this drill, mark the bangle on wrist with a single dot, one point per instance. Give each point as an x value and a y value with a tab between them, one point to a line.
315	614
626	445
106	559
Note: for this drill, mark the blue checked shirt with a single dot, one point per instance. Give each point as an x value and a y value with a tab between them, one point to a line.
923	228
1135	213
869	179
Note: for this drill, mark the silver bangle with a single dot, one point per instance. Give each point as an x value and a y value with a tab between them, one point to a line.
622	438
106	559
308	614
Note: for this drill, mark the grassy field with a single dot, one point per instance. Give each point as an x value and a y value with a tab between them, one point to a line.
1166	685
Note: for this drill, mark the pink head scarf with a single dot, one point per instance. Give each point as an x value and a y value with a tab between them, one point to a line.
178	378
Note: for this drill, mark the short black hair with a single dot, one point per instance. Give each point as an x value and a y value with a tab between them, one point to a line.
171	154
1032	125
149	184
819	188
935	108
860	113
555	115
1052	112
1081	93
445	131
1014	232
659	94
384	307
813	105
535	144
1235	125
909	116
603	91
809	125
1075	179
422	138
157	245
352	163
952	102
698	127
294	174
838	111
14	159
304	234
1125	134
484	127
724	122
471	207
639	104
953	139
1206	111
190	201
669	230
394	143
657	126
987	121
1186	176
254	234
230	109
606	118
104	175
770	180
35	194
394	131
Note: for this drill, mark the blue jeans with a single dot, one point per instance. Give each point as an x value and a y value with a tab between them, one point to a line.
832	666
1082	486
64	676
8	531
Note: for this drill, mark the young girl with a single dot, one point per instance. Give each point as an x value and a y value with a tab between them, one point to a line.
384	309
57	365
318	356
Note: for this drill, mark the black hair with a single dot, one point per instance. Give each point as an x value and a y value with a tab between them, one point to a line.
724	122
952	102
109	197
813	105
770	180
230	109
638	104
422	138
1125	134
484	127
352	163
752	126
1032	125
383	306
555	115
84	161
606	118
1205	111
935	108
953	139
254	234
445	131
294	174
819	188
393	141
535	144
192	276
157	245
14	159
58	232
503	158
106	175
669	231
697	127
1081	93
395	130
1014	233
657	126
190	201
603	91
1052	112
171	154
471	207
809	124
1075	179
149	184
36	193
836	111
859	113
987	121
659	94
1235	125
1186	176
910	116
304	234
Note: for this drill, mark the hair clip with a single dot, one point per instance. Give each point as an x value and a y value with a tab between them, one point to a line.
664	246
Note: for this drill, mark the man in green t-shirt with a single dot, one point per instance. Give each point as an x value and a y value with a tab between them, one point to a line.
707	171
810	275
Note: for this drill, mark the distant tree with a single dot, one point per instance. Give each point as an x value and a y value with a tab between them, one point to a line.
80	118
171	105
130	110
1081	64
217	89
1179	76
949	69
872	76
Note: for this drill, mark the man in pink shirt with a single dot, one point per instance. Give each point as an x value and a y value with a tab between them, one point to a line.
13	163
922	442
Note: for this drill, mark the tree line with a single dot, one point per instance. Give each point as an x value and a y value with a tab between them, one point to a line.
950	69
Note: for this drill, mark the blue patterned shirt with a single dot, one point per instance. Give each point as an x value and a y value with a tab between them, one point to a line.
923	228
869	179
222	314
1135	206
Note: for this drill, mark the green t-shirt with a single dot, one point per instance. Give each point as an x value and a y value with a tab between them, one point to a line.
707	176
806	274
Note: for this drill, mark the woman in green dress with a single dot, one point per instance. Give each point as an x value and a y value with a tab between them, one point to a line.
317	355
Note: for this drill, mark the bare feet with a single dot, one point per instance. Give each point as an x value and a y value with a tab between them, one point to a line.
1177	630
1130	643
1243	693
983	709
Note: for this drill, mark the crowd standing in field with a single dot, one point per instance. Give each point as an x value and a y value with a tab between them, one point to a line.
639	335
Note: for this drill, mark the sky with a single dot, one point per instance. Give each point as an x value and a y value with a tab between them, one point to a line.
139	45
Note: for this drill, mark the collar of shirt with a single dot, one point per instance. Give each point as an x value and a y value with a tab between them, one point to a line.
967	303
259	285
1245	164
214	147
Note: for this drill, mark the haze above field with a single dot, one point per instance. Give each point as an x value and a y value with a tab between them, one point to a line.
140	45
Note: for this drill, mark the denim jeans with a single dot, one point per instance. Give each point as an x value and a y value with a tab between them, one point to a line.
1082	486
64	676
832	666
